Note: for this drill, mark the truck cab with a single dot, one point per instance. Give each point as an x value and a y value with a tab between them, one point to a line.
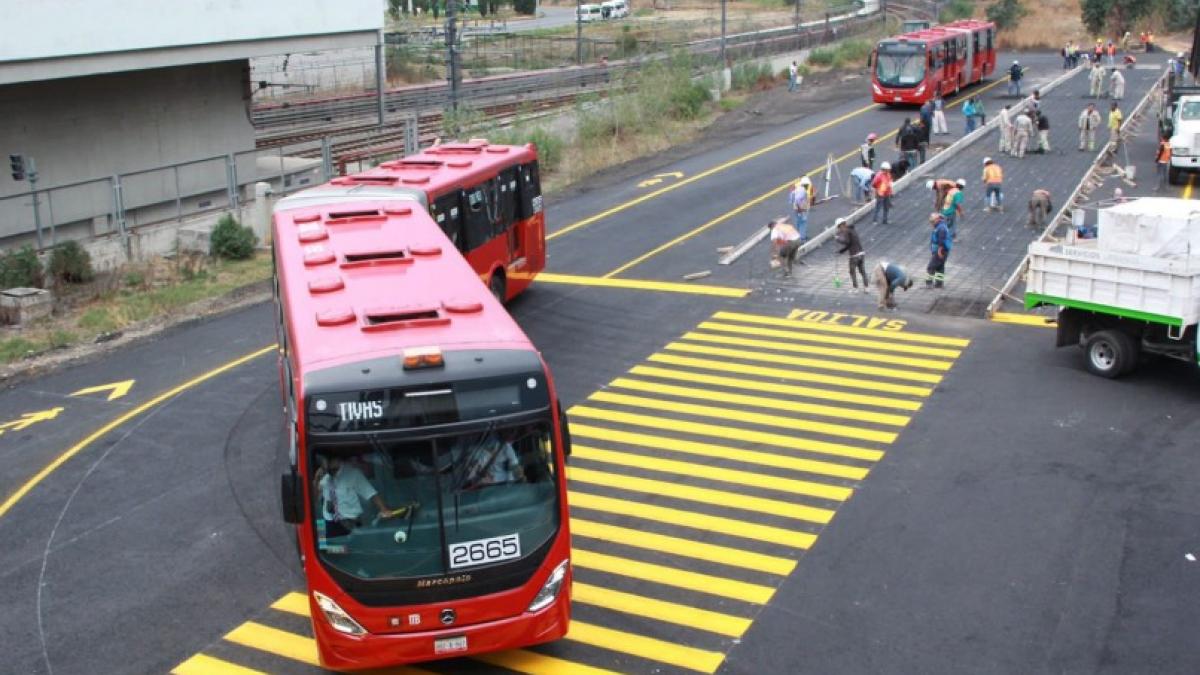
1184	130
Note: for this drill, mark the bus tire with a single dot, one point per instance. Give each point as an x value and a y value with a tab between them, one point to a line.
1109	353
498	286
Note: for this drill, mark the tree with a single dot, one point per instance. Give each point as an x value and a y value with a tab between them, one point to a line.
525	6
1117	16
1006	13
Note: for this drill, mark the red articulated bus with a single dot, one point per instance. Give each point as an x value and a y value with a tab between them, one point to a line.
487	199
913	67
427	446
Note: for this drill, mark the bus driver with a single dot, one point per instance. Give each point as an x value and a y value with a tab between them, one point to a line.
344	488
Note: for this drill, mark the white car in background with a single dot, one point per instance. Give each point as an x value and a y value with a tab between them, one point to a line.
590	13
615	9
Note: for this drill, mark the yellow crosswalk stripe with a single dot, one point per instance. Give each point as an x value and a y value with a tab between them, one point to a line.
735	476
581	430
729	433
670	653
775	387
788	374
293	603
533	663
782	346
722	498
824	364
744	416
275	641
760	401
694	520
839	340
201	664
672	576
904	336
688	548
659	610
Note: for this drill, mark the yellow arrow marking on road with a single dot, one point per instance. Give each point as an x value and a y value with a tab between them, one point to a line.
116	389
658	178
29	419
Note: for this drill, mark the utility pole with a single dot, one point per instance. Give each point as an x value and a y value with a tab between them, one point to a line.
578	33
25	168
454	76
797	7
723	61
380	79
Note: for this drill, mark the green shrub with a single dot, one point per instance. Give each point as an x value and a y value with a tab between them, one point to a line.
1006	13
71	263
822	56
687	101
957	9
627	42
230	240
21	267
525	6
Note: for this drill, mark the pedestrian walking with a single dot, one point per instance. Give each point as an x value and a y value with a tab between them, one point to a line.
1096	80
866	152
1089	122
1015	74
888	277
1116	86
1162	162
1022	132
926	113
993	181
785	242
968	111
939	249
908	140
1066	56
1006	131
1115	118
1110	53
860	178
1039	208
1098	52
1043	130
952	208
980	112
940	187
882	184
939	115
800	200
852	246
793	73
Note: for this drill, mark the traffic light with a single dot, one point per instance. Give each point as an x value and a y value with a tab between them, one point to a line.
17	164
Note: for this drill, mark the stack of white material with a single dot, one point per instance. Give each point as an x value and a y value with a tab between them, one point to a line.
1155	227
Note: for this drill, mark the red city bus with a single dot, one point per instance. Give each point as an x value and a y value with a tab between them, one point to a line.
427	447
487	199
912	68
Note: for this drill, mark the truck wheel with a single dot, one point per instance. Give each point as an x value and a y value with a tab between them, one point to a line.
1109	353
1173	176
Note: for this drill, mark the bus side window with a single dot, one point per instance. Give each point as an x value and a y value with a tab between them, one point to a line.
445	210
506	205
477	217
529	201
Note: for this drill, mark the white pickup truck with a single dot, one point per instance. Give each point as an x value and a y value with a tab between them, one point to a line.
1133	290
1180	121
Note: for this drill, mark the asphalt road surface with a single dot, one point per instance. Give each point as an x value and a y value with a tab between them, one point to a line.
761	484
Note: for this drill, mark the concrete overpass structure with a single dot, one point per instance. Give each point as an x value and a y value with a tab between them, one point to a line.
97	90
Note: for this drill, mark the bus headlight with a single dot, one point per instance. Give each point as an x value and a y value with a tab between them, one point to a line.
337	617
920	90
551	588
877	89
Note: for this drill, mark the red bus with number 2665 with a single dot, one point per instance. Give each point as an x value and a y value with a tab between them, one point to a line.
913	67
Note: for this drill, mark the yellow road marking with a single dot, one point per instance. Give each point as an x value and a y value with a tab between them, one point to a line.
823	364
784	346
293	603
672	576
647	648
775	388
720	498
694	520
718	451
643	285
115	389
122	419
764	419
29	419
840	340
903	336
705	174
728	433
759	199
274	641
1024	319
1187	189
795	375
659	610
692	469
201	664
772	403
533	663
688	548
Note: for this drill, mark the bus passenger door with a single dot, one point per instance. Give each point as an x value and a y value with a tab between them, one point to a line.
448	215
506	213
529	213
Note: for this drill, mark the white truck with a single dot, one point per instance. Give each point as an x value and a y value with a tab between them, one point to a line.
1180	122
1132	290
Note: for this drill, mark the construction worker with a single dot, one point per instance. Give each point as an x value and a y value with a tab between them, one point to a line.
888	277
1098	52
1066	55
861	177
1149	41
1015	73
1110	53
866	152
939	249
1022	132
952	207
785	242
1006	131
1039	208
1043	130
1125	42
882	184
800	200
1116	85
852	245
1162	161
1115	118
1145	42
941	187
993	181
1096	80
1089	122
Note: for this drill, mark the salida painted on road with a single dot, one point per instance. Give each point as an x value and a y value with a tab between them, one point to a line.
855	320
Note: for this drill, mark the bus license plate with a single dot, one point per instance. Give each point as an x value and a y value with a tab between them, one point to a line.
450	645
896	99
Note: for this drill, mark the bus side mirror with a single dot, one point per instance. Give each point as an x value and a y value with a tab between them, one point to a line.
565	426
870	58
290	495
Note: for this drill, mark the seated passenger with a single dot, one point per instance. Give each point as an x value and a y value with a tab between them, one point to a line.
343	490
492	460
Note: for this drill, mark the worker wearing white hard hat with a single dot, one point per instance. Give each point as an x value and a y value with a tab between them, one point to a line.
882	185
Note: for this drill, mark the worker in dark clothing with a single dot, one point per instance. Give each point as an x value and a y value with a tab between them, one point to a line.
939	248
909	140
889	277
1039	207
851	244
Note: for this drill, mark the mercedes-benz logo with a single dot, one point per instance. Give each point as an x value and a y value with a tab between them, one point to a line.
447	617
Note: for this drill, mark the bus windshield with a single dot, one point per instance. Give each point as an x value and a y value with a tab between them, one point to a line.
900	65
394	510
